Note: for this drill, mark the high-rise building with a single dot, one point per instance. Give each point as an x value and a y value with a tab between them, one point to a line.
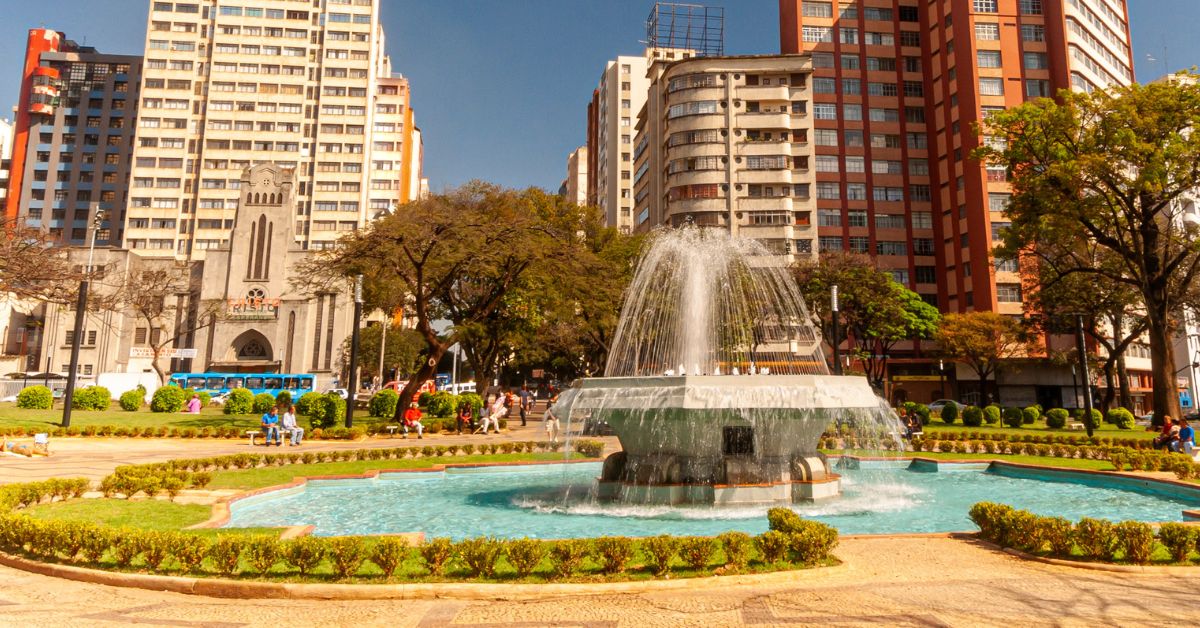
898	88
6	137
723	142
73	138
616	101
576	183
305	85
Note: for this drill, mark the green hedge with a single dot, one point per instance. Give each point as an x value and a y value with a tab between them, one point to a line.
1092	539
1056	418
91	398
383	403
1121	417
263	402
791	541
35	398
950	413
239	401
972	416
168	399
132	400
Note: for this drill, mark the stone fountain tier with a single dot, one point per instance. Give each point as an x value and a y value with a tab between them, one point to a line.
719	439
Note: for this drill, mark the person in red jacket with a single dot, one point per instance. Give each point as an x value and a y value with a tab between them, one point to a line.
412	418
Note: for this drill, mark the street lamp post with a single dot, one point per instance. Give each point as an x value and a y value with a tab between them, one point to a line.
836	342
942	374
358	307
387	324
80	312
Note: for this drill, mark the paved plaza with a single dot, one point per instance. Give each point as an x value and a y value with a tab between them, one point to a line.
915	581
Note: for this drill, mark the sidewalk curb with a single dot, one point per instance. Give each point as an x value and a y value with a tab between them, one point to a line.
239	589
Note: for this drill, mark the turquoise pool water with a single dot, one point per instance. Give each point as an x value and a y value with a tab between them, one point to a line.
551	501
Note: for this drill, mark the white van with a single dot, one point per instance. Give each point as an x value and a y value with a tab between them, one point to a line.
460	388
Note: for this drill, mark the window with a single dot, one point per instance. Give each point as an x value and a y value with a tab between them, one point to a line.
914	88
1036	61
1033	32
828	190
881	89
886	247
910	38
824	111
922	220
985	6
856	191
1030	7
879	39
889	221
872	13
855	164
851	87
1008	292
998	202
881	63
818	34
1037	88
856	218
827	163
829	218
817	9
860	244
998	229
849	35
991	86
824	86
884	115
986	31
1006	265
926	274
825	137
829	243
988	58
850	62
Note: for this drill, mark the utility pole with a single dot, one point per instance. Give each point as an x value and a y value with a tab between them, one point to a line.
387	325
80	313
836	342
1086	377
358	307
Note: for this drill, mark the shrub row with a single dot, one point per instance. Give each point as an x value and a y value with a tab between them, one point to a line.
1095	539
13	496
791	540
1047	439
331	433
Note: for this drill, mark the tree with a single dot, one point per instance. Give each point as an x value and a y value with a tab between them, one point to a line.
1107	171
876	312
161	297
31	267
982	341
453	256
402	351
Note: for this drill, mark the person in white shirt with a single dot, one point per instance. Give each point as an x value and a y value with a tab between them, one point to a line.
289	425
492	418
551	421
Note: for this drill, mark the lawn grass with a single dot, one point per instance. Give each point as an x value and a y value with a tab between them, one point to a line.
149	514
1046	461
12	416
273	476
1039	428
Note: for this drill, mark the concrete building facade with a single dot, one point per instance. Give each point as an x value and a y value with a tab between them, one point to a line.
897	89
724	142
576	183
616	101
73	138
305	85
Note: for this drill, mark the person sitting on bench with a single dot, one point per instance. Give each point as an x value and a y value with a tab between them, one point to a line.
270	427
412	418
289	424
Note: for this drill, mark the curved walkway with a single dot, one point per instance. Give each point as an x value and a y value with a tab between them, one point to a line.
887	581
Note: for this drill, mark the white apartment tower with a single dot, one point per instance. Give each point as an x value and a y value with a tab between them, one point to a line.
302	83
620	95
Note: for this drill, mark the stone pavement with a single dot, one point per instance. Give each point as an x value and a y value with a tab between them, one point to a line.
95	458
886	582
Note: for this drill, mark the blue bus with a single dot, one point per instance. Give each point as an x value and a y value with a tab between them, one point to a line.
220	383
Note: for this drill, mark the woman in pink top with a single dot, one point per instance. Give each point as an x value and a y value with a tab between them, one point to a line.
193	405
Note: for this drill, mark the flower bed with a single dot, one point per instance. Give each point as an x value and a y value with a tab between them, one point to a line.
432	426
1092	539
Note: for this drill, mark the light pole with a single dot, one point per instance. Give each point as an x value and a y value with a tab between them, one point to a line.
942	373
387	324
836	342
80	311
358	307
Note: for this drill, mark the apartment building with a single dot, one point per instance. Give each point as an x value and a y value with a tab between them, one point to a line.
575	185
6	138
724	142
73	137
898	88
614	106
229	84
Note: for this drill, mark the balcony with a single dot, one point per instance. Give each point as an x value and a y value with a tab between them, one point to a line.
764	92
697	205
765	147
764	203
765	120
692	177
770	177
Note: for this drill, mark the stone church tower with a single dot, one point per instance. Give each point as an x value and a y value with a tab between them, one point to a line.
266	325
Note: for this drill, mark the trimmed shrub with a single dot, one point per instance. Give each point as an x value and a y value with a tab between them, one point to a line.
441	404
919	409
991	414
525	555
950	414
435	553
697	551
1057	418
35	398
189	549
971	416
304	553
659	552
1122	418
262	403
1179	539
383	403
283	399
471	398
1136	540
1030	415
784	520
1096	538
262	552
389	554
1058	533
479	555
566	556
168	399
226	553
132	400
990	517
736	546
91	398
333	412
772	546
589	448
204	397
309	403
612	553
1013	417
1093	421
813	542
346	554
239	401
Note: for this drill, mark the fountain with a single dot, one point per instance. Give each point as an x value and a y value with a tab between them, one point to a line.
716	383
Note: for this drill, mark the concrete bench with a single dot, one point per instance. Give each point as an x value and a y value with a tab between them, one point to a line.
392	430
1076	427
284	434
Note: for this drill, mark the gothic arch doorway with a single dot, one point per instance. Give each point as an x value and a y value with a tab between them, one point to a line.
250	346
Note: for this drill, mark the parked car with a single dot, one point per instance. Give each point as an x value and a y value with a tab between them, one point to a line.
942	403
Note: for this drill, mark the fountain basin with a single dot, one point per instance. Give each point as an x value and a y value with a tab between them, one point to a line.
724	440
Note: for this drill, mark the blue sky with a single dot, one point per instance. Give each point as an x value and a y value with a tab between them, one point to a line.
501	86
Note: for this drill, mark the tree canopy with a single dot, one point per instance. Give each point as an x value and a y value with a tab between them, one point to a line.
1105	175
982	341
